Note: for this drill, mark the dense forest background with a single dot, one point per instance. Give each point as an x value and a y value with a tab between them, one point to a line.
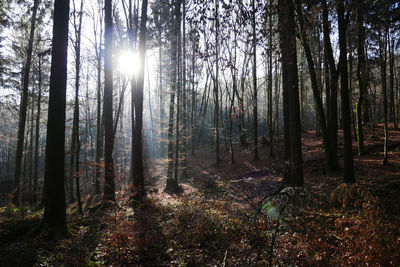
199	132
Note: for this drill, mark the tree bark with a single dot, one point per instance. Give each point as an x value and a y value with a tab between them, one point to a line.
319	109
138	178
348	172
109	186
172	185
289	59
361	75
23	107
334	76
383	58
54	217
255	115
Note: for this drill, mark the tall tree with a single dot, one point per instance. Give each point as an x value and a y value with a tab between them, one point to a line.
254	42
172	183
54	217
74	152
99	119
361	73
319	110
24	106
216	85
37	129
269	110
138	178
184	97
332	89
289	60
383	61
109	186
348	172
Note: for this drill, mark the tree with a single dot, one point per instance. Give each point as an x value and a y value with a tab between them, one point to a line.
23	106
74	158
361	74
315	88
383	61
54	217
254	42
172	182
109	186
216	81
100	117
270	123
138	178
348	172
331	88
289	62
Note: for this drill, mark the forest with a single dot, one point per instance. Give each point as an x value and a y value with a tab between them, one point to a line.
199	133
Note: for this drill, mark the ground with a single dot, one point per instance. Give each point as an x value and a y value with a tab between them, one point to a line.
232	215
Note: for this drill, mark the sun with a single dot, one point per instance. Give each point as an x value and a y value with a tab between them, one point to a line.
128	63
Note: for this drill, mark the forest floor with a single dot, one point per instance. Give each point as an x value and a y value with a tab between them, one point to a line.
232	215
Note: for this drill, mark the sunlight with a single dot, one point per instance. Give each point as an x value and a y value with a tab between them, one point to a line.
128	63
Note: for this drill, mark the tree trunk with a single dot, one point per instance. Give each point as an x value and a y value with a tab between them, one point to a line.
74	152
109	186
383	57
270	124
172	185
216	83
334	76
255	115
138	178
289	60
100	115
23	107
361	75
184	98
54	217
393	117
319	109
348	171
37	134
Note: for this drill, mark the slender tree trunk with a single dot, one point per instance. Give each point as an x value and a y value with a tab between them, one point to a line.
255	115
184	98
270	50
216	82
276	98
30	151
23	107
383	58
138	178
37	134
393	117
178	95
172	184
74	159
348	171
100	118
334	76
77	181
193	121
361	75
24	168
109	186
316	92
